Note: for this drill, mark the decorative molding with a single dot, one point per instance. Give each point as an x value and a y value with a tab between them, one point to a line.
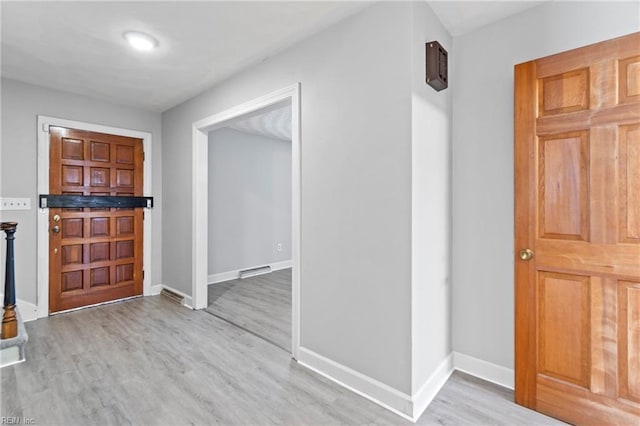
384	395
28	311
232	275
423	397
484	370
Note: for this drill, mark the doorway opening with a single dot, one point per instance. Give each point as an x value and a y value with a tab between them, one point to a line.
250	224
287	100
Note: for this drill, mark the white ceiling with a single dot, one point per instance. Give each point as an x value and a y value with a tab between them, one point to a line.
461	17
78	46
271	122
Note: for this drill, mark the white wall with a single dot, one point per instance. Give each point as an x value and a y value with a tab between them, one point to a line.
431	205
356	186
483	253
21	104
249	200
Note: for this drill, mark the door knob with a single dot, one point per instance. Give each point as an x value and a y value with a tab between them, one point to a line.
55	229
526	254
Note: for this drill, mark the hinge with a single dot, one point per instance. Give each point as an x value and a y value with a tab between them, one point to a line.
143	274
144	157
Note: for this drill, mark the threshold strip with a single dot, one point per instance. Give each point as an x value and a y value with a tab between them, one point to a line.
95	305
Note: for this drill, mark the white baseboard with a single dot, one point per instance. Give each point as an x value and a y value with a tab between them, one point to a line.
423	397
281	265
232	275
222	277
187	302
28	311
408	407
485	370
372	389
10	356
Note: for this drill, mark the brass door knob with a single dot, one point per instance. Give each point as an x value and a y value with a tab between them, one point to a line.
526	254
55	229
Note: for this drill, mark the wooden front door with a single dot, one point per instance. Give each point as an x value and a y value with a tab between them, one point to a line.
95	255
577	189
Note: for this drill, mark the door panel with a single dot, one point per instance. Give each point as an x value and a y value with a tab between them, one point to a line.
564	185
629	337
577	158
629	79
564	93
97	255
564	333
629	183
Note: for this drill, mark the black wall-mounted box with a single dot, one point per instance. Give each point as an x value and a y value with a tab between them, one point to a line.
436	66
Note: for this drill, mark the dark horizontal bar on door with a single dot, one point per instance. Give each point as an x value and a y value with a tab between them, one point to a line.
93	201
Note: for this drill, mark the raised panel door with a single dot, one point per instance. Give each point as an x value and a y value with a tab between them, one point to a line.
577	192
97	254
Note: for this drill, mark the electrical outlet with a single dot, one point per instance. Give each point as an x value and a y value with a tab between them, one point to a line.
15	203
279	247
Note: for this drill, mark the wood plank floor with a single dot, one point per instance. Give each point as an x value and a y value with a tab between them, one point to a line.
151	362
260	304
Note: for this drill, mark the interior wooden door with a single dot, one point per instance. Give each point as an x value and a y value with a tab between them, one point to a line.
577	246
95	255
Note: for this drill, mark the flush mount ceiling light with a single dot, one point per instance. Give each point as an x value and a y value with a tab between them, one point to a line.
140	41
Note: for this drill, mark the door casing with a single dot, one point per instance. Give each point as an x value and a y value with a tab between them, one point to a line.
44	122
200	139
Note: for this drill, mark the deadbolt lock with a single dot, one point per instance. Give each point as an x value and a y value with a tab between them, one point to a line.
56	218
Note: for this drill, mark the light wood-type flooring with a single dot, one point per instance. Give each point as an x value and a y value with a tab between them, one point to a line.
260	304
150	361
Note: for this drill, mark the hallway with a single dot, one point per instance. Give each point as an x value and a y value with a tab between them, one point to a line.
149	361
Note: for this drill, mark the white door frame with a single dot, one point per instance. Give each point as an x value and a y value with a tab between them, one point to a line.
44	123
200	130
